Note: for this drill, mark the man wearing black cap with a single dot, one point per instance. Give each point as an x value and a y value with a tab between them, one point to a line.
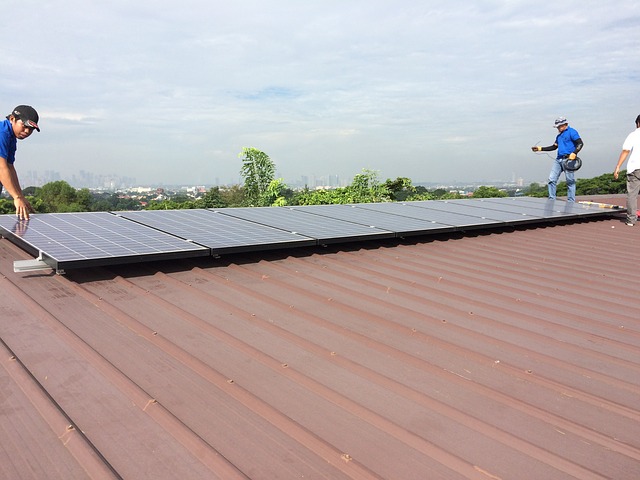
18	125
568	143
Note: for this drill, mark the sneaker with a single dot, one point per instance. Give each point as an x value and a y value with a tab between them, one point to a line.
629	224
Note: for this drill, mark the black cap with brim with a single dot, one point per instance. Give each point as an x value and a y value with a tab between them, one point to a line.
28	115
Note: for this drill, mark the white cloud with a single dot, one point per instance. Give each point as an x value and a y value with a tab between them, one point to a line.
428	90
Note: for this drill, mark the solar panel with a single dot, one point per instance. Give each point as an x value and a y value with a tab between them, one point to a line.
378	216
508	214
551	208
445	217
327	229
221	233
71	240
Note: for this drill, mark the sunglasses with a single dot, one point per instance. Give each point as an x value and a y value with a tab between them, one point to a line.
28	124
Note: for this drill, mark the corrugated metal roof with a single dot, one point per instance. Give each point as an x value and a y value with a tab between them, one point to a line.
501	354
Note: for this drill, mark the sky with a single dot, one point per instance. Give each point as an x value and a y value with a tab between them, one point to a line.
171	92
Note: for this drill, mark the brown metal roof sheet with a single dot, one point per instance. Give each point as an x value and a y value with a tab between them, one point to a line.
499	354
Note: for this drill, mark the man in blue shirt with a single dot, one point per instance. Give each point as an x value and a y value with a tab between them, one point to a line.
18	125
568	143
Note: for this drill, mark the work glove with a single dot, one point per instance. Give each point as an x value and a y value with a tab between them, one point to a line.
572	156
536	149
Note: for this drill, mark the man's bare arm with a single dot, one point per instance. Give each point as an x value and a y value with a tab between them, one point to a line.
10	182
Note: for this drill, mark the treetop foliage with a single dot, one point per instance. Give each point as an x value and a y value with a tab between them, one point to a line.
258	171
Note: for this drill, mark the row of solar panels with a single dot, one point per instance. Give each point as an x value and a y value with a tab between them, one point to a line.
74	240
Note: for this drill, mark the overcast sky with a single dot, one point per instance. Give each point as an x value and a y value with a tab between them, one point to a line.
171	91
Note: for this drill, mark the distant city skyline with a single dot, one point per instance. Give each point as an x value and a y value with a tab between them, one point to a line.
91	180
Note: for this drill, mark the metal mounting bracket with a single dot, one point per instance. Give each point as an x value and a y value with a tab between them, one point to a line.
33	265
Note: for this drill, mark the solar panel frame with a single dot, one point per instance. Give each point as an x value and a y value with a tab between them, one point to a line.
221	233
326	229
86	239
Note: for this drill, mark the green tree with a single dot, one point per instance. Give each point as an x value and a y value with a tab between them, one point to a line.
101	205
439	192
274	194
366	188
488	192
103	202
84	197
233	196
602	185
168	205
59	196
181	198
258	171
212	199
124	203
400	188
320	197
536	190
450	196
421	195
7	206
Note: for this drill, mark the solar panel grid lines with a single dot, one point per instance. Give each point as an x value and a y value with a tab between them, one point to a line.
67	240
547	210
376	215
492	216
441	220
222	233
326	229
549	207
